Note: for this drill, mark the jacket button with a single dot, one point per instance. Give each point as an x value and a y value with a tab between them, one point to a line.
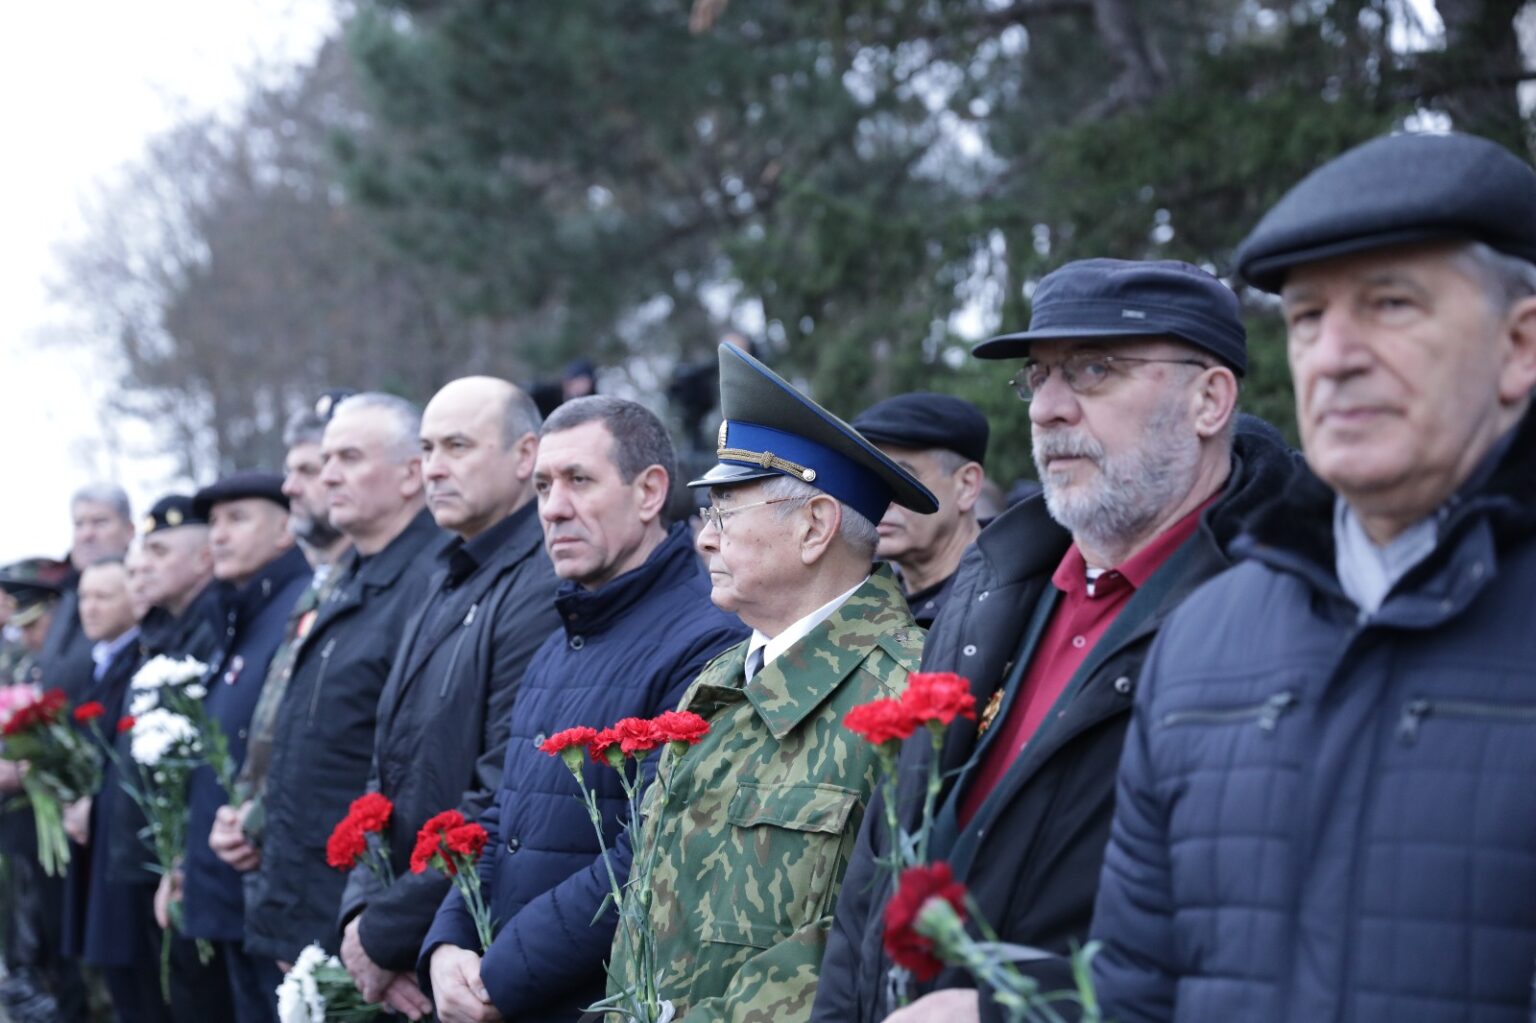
1123	684
982	595
969	650
513	845
577	642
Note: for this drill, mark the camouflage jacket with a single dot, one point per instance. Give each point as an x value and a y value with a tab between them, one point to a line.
752	829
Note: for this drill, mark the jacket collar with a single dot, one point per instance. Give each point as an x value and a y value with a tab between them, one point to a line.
384	568
244	603
585	612
1294	532
795	683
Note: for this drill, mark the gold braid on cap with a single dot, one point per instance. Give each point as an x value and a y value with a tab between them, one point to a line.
768	460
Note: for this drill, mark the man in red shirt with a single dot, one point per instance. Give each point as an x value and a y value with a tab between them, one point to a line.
1131	373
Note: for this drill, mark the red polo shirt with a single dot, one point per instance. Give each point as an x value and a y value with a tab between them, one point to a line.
1079	620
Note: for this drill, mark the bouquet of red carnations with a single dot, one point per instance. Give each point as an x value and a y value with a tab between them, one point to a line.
62	764
359	837
452	845
623	747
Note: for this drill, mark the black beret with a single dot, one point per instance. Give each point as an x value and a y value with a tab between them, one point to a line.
771	429
1105	299
1396	190
268	485
923	419
169	512
325	405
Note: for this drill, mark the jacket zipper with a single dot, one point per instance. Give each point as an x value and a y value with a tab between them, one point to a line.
325	662
1415	711
1266	715
458	644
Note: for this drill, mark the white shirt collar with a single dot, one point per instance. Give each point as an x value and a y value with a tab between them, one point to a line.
773	647
103	651
1367	571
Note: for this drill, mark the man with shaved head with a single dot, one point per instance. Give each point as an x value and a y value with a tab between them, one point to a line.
492	603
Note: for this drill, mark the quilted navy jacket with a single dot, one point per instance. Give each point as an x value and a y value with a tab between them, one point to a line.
1328	816
628	649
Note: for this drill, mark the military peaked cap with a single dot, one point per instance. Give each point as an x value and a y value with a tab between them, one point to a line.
1397	190
771	429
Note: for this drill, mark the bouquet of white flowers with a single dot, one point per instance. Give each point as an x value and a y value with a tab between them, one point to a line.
319	990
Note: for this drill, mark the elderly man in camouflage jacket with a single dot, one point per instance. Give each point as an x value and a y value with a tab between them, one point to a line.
752	830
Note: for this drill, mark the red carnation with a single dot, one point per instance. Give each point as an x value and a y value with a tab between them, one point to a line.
125	724
637	735
371	811
466	840
442	822
599	745
680	726
903	944
938	696
881	721
346	845
570	738
430	838
87	712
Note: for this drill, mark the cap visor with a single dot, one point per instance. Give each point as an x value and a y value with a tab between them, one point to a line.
725	475
1267	273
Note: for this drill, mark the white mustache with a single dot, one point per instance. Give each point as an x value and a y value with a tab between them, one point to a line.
1066	445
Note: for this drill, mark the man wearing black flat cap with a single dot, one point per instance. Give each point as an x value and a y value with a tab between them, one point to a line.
1130	370
942	441
261	574
1325	806
789	539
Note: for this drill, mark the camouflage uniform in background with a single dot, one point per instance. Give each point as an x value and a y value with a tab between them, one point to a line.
760	818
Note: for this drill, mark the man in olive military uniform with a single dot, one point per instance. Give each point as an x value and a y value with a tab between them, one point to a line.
752	829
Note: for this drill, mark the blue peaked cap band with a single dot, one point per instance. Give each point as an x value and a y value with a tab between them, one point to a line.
843	478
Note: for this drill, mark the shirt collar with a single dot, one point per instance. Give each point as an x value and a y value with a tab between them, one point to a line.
465	556
773	647
103	652
1072	574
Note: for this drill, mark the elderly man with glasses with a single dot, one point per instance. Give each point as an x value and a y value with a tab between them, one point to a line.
1131	373
751	832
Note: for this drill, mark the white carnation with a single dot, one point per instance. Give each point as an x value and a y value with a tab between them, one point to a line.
163	671
158	732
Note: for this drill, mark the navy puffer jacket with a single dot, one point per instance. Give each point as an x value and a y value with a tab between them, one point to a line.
1324	815
628	649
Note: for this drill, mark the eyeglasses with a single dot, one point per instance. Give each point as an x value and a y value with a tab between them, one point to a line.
1084	373
715	516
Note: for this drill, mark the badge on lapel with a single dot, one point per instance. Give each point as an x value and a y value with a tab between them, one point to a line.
233	674
989	712
306	622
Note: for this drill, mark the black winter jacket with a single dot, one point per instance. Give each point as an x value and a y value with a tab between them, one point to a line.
1328	815
323	740
1031	855
442	730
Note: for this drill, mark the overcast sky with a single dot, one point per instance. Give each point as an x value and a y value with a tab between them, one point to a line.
83	85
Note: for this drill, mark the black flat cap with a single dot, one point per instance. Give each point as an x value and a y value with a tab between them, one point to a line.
268	485
1118	299
923	419
1397	190
771	429
169	512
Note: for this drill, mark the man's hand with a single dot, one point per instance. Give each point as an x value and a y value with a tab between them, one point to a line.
952	1005
405	997
457	989
371	979
169	891
227	839
11	772
77	821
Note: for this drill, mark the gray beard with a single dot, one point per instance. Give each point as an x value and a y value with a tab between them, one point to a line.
314	532
1132	491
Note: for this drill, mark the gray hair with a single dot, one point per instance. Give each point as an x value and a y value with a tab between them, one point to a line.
405	418
522	416
304	428
109	494
639	439
856	530
1505	279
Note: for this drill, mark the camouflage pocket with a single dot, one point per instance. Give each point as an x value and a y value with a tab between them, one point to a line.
785	842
